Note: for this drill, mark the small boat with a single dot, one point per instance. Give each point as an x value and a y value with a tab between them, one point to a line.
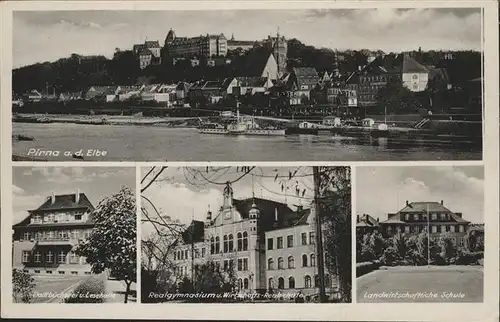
213	128
21	137
79	157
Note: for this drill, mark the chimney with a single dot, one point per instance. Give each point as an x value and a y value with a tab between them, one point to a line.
53	198
77	196
407	203
441	202
357	219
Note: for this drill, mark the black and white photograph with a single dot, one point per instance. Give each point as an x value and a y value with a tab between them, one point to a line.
246	234
248	85
74	235
420	234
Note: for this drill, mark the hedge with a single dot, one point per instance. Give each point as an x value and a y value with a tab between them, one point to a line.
91	290
366	267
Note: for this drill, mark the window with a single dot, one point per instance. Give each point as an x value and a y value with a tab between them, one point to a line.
38	257
231	243
217	245
279	243
311	238
26	256
48	272
452	228
239	237
37	219
461	228
225	244
78	217
245	283
291	262
49	257
226	265
269	244
37	271
245	264
270	264
240	264
74	273
303	237
434	229
281	283
316	281
289	241
280	262
307	281
62	272
73	258
328	281
291	282
313	260
407	229
270	283
407	216
240	283
231	264
26	236
212	246
61	257
304	260
245	240
203	252
434	216
443	228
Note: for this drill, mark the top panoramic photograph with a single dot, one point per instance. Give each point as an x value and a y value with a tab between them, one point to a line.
248	85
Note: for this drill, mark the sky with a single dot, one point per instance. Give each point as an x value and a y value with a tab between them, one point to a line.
40	36
180	195
32	186
383	190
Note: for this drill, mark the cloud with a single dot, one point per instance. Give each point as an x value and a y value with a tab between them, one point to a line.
383	190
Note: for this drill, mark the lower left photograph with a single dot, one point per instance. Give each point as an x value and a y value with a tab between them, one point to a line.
74	235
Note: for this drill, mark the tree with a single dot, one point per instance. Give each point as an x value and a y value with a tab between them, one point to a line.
448	247
23	285
335	184
112	243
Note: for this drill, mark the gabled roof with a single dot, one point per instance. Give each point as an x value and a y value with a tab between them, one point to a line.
252	81
152	44
194	233
61	202
394	64
305	76
424	207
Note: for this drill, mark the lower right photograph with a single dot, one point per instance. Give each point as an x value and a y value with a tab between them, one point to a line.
419	234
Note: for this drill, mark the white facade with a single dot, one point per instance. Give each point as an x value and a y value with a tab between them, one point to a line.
416	82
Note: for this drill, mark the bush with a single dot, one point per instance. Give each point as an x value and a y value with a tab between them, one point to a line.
366	267
390	256
23	285
89	291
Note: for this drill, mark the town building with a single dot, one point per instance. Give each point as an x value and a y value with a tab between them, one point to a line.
366	224
148	53
300	82
203	46
416	217
43	242
104	94
245	45
370	79
279	47
266	243
159	93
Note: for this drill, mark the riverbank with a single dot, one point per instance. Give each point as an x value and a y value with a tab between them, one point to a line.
135	120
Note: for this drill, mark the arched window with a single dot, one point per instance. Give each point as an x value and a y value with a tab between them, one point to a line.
291	262
245	283
280	262
316	280
240	283
270	264
281	283
304	260
225	244
307	281
270	283
240	241
245	240
313	260
291	282
217	245
328	281
231	243
212	245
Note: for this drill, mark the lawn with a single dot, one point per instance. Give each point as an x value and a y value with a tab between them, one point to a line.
54	284
424	284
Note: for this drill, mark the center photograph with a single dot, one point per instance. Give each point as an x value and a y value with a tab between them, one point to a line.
246	234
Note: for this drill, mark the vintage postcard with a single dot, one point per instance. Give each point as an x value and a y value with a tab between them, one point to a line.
253	160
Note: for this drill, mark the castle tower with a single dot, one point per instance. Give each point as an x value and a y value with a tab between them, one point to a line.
336	71
208	220
228	196
279	48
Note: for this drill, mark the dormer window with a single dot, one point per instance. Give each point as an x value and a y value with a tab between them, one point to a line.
78	217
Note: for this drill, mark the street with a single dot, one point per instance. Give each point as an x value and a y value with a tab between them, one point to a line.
439	284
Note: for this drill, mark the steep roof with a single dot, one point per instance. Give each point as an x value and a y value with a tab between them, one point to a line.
194	233
61	202
65	202
424	207
394	64
152	44
305	76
